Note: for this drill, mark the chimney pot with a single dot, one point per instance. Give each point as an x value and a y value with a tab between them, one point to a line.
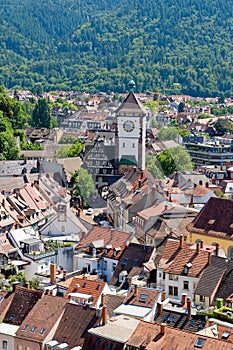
64	275
181	240
104	315
201	244
52	273
189	305
135	290
164	295
102	299
162	328
184	299
160	307
197	248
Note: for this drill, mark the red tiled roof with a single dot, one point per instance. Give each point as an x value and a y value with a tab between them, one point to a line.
149	336
74	325
108	235
132	299
214	219
90	287
175	258
22	303
44	316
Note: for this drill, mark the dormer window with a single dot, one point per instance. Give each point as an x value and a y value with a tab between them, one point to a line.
187	267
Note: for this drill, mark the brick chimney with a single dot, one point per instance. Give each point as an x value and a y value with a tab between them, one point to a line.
52	273
164	295
201	244
104	315
184	299
27	285
189	306
159	307
197	248
102	299
181	241
162	328
135	290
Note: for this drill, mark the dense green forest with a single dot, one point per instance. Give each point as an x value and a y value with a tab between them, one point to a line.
178	46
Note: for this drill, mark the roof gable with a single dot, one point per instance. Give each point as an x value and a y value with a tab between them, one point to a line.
131	105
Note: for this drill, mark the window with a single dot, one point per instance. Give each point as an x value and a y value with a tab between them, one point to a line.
173	290
202	298
4	345
123	145
113	266
19	347
173	277
186	285
199	342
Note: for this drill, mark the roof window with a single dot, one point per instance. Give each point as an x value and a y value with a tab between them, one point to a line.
199	343
143	297
226	335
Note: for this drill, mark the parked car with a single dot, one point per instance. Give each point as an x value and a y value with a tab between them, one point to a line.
89	211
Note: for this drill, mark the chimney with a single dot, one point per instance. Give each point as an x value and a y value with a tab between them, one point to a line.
164	295
130	282
159	307
52	273
64	275
135	290
211	322
184	299
104	315
14	285
102	299
181	241
197	248
27	285
209	258
162	328
201	244
189	306
217	249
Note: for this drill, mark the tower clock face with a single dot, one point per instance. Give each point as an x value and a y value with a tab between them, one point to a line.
128	126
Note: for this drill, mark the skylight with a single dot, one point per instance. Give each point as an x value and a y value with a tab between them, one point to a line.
143	298
98	287
33	329
226	335
42	330
25	327
12	317
124	262
84	285
199	342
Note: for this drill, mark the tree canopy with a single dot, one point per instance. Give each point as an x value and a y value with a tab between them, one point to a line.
178	47
83	184
174	159
41	115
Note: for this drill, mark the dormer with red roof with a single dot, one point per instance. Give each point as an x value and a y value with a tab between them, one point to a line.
86	292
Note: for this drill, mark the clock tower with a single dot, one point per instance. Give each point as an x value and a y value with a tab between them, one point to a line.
130	132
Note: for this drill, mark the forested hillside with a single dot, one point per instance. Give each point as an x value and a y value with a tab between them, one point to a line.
183	46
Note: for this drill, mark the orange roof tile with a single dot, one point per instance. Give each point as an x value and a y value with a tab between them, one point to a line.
84	286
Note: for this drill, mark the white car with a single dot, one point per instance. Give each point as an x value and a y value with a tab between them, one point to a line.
89	211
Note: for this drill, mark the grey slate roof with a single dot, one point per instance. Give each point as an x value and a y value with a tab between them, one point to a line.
211	277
